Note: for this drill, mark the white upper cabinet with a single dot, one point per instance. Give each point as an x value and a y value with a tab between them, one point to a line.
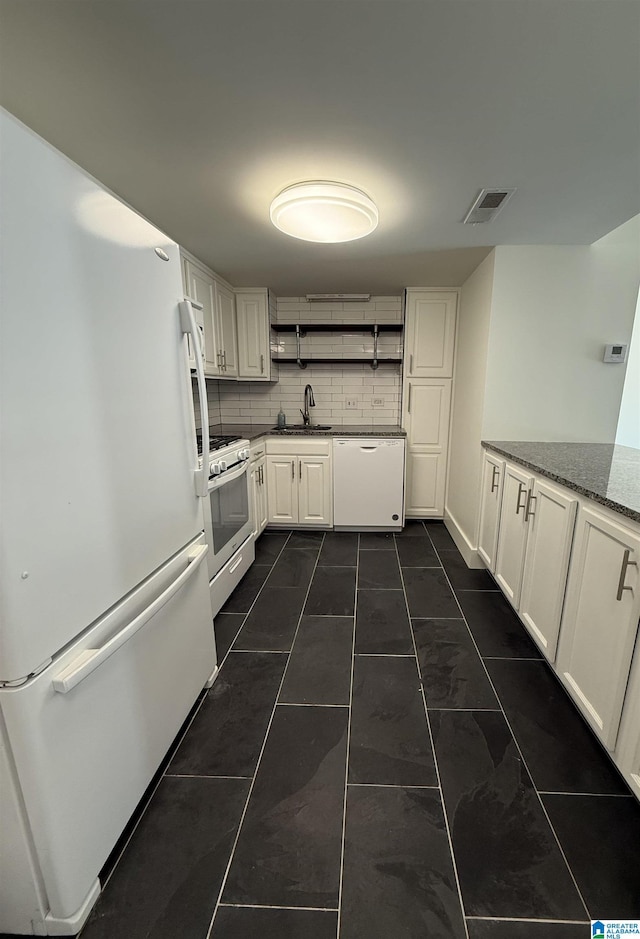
600	620
254	350
200	286
225	326
491	500
430	333
218	318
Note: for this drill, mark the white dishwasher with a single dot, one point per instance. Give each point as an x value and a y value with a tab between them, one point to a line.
368	482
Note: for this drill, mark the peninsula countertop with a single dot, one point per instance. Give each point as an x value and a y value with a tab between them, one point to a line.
604	472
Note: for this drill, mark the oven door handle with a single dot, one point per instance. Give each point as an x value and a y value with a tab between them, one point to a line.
227	477
190	328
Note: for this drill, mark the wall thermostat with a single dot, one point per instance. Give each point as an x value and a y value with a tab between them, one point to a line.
615	353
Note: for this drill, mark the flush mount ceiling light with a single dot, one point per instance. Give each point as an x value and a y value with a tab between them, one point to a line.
324	211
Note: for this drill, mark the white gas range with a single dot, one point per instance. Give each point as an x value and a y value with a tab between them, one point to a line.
228	522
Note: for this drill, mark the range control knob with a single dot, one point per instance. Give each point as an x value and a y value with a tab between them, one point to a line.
243	454
214	469
223	465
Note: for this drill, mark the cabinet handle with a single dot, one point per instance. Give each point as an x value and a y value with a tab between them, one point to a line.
293	471
219	360
300	468
623	573
262	364
224	360
409	401
528	512
411	365
521	489
495	476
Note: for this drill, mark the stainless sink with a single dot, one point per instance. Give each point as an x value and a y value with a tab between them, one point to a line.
306	427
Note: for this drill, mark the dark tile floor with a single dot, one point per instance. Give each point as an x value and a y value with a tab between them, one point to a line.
383	756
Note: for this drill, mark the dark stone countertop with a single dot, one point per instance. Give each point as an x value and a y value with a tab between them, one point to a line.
253	431
601	471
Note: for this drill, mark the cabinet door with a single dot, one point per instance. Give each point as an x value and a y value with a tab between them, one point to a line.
315	494
491	500
254	486
282	489
262	514
551	518
430	325
627	755
254	354
226	330
426	418
512	532
600	620
201	287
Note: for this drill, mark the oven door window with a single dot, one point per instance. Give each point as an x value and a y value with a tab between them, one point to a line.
229	511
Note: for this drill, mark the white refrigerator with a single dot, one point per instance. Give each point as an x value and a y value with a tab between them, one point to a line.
106	634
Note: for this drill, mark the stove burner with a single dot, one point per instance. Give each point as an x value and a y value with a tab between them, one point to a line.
216	441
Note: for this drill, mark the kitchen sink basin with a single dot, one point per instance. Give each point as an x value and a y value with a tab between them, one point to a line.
306	427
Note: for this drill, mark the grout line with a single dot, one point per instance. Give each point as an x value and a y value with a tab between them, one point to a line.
385	655
201	776
346	767
524	762
265	906
511	658
596	795
390	786
260	651
262	749
433	749
548	922
466	710
307	704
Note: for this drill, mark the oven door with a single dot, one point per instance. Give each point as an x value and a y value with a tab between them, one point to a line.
229	523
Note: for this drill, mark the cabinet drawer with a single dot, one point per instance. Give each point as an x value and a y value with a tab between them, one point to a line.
299	446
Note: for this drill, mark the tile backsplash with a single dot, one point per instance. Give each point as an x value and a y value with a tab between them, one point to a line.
376	392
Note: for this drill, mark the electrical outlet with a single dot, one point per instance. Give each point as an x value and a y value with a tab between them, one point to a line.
377	403
351	404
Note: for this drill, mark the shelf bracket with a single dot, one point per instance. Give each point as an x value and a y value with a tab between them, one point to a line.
374	363
299	361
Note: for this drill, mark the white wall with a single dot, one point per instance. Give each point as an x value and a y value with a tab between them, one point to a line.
465	460
628	432
554	308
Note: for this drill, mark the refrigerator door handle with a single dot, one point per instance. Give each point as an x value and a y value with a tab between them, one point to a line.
190	328
90	659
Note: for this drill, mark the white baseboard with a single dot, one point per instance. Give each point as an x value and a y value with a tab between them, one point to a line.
464	546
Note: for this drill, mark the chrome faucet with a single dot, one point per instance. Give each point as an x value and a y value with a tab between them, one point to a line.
309	402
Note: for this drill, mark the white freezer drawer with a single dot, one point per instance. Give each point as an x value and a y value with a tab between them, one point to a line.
368	482
84	756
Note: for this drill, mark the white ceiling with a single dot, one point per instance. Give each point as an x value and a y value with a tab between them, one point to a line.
199	113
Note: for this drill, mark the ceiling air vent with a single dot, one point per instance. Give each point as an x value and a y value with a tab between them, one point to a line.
329	297
487	205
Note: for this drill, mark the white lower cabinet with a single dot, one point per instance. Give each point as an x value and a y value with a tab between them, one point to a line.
426	418
491	500
512	531
299	485
627	755
600	621
258	487
551	514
